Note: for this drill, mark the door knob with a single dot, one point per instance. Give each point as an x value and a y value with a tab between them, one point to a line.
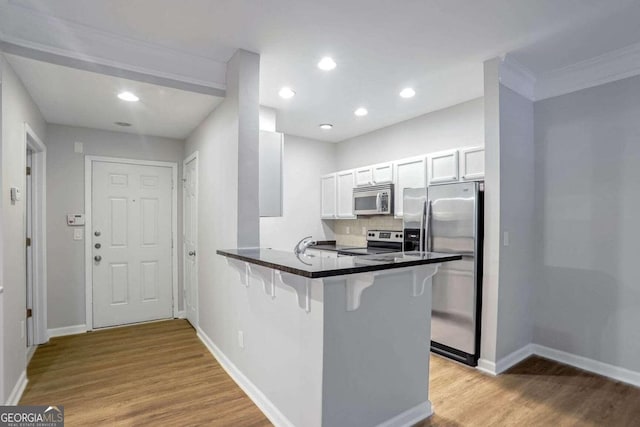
192	253
97	258
97	233
98	245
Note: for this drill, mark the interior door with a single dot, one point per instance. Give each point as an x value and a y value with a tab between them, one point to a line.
28	197
190	239
131	243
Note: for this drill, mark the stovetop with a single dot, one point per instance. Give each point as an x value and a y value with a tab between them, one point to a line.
378	242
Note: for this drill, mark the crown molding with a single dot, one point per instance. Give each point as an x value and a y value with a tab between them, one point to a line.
97	49
517	77
609	67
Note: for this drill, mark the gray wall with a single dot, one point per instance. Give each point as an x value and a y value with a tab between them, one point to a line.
65	194
587	206
17	108
457	126
516	218
305	160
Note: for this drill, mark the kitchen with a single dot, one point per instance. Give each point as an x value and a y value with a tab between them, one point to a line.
486	119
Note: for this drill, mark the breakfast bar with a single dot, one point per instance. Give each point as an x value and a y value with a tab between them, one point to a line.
369	319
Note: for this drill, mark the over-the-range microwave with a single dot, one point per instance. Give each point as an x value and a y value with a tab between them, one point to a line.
373	200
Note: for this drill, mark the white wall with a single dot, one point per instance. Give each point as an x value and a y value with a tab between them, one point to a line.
65	194
587	205
17	108
456	126
305	160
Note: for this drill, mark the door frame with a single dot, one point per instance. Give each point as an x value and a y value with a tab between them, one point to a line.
39	233
191	157
88	184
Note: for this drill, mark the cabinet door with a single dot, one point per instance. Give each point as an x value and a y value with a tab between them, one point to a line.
410	173
364	177
346	181
328	202
443	167
472	163
383	173
270	156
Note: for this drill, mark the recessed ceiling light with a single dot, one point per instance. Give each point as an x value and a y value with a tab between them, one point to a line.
361	112
326	126
327	63
286	93
123	124
407	92
128	96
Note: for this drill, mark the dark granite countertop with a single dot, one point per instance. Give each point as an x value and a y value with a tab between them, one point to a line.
332	246
317	267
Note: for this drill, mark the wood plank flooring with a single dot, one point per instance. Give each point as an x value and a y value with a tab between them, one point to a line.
160	374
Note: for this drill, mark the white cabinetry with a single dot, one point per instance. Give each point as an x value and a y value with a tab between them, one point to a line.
410	173
472	163
375	175
346	182
328	196
443	167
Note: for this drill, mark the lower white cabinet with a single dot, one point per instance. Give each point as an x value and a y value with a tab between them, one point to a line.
472	164
443	167
410	173
346	182
328	196
320	253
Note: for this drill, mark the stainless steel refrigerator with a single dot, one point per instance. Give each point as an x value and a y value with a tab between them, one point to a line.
448	218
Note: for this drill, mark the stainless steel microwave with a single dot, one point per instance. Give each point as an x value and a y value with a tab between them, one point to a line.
373	200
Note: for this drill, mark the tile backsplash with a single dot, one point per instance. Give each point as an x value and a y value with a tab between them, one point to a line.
352	232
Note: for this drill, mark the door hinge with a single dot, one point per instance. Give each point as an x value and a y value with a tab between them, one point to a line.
28	170
29	313
28	241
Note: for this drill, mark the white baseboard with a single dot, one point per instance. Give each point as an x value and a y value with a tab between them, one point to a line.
410	417
486	366
182	314
614	372
30	352
266	406
67	330
514	358
18	389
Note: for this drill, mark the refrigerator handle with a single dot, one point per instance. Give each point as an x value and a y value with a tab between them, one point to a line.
427	238
422	223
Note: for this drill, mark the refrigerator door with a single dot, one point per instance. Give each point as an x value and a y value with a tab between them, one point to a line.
452	226
414	200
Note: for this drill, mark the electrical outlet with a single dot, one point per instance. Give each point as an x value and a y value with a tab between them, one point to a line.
348	229
78	234
505	239
241	339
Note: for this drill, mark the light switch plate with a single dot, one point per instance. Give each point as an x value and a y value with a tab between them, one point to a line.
78	234
78	147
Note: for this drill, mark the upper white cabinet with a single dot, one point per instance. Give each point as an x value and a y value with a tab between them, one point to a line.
270	156
328	195
346	182
443	167
374	175
410	173
472	163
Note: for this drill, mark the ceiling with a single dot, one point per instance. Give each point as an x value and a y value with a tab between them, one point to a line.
435	46
81	98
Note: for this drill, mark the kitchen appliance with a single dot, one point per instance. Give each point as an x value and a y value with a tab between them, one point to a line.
448	218
378	242
373	200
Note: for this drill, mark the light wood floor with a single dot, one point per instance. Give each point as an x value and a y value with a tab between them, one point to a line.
160	373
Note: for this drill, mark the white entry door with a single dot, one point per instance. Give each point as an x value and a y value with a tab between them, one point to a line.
190	239
131	243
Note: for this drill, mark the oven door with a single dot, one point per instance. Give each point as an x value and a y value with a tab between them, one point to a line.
375	202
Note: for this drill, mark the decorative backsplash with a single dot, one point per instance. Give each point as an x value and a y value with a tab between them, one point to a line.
352	232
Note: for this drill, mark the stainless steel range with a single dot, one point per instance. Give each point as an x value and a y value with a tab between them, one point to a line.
378	242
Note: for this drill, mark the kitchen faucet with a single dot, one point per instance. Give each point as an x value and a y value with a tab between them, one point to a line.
305	242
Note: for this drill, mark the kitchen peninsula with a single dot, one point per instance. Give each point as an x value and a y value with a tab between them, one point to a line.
369	323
